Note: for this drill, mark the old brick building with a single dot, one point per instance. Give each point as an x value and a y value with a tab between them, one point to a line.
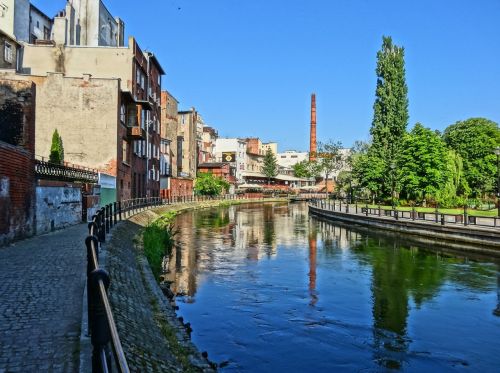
17	136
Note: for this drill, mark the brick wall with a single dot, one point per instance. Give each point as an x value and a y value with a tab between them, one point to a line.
181	187
17	182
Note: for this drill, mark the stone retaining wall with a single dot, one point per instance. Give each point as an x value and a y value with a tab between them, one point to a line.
473	239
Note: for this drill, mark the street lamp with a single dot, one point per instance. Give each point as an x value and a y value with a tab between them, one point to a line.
497	152
392	167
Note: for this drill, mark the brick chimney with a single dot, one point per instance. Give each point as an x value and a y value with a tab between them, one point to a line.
312	139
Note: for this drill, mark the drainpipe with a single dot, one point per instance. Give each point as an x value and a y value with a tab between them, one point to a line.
148	115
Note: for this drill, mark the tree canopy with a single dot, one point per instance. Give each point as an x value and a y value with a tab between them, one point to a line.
206	184
474	140
270	168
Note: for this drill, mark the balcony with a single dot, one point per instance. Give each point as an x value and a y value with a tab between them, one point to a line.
136	133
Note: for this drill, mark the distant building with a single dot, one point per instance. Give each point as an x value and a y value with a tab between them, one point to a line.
188	133
209	138
288	159
233	151
219	169
273	146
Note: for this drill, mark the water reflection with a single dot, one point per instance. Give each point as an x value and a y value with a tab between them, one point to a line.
411	292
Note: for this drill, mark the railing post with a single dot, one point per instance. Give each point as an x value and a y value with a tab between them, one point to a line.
356	204
465	215
436	212
100	332
107	218
366	212
396	214
413	212
379	211
111	216
88	243
102	225
120	210
442	219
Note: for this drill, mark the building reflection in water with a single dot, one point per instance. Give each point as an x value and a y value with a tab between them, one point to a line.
251	233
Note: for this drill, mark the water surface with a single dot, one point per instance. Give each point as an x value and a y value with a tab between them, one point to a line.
267	288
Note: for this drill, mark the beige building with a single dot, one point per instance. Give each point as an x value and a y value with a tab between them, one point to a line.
139	76
190	136
273	146
209	137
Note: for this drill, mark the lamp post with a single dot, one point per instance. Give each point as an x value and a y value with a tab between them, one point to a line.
497	152
392	167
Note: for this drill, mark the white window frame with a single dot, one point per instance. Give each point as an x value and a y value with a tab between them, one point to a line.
8	52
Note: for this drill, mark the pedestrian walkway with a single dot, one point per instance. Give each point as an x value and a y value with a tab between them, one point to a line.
42	280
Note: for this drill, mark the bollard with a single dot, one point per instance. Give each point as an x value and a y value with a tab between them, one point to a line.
90	267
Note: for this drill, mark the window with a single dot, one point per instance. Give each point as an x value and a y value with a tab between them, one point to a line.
124	152
294	156
8	53
123	114
46	33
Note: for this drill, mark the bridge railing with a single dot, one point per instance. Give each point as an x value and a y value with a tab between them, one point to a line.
438	217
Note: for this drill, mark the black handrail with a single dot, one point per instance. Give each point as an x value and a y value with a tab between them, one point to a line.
437	217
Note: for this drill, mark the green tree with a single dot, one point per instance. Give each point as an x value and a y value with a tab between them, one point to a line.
330	159
207	184
306	169
369	171
474	140
270	168
424	165
390	117
56	149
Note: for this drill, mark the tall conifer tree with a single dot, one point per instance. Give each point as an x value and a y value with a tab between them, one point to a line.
390	117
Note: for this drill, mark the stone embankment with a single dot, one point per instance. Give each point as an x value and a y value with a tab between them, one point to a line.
153	338
471	238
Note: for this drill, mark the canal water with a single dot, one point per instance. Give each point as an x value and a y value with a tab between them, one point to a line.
268	288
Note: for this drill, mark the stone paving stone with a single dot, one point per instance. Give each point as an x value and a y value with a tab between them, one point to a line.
41	292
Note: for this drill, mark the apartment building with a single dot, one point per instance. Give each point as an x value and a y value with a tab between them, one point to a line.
234	152
132	157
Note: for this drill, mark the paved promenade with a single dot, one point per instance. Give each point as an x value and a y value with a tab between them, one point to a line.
42	280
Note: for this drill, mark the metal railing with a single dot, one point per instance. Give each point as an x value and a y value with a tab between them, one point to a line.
102	327
64	172
438	217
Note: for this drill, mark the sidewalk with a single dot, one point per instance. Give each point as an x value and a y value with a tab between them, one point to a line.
42	280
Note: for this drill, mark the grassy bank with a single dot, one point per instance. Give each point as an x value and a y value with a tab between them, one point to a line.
158	241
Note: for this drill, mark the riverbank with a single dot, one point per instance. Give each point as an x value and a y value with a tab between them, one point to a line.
464	238
153	338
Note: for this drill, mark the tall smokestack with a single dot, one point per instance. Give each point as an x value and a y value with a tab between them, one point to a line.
312	139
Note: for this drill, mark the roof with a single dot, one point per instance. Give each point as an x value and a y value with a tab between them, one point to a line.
157	63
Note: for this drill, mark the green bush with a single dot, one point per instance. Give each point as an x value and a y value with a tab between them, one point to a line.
158	241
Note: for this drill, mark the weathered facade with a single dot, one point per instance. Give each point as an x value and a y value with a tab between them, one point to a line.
209	137
137	162
187	131
89	23
10	50
17	145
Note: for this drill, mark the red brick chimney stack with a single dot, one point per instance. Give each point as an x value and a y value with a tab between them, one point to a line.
312	140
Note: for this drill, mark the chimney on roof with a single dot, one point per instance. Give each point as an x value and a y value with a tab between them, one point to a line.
312	139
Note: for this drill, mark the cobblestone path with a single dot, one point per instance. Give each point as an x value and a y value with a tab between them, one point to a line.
42	280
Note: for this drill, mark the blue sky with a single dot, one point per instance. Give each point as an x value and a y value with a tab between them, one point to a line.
249	67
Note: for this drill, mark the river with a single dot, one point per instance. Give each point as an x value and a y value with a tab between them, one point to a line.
267	288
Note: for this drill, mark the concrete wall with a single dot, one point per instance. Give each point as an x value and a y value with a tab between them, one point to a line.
85	113
7	16
17	123
187	129
74	61
57	207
